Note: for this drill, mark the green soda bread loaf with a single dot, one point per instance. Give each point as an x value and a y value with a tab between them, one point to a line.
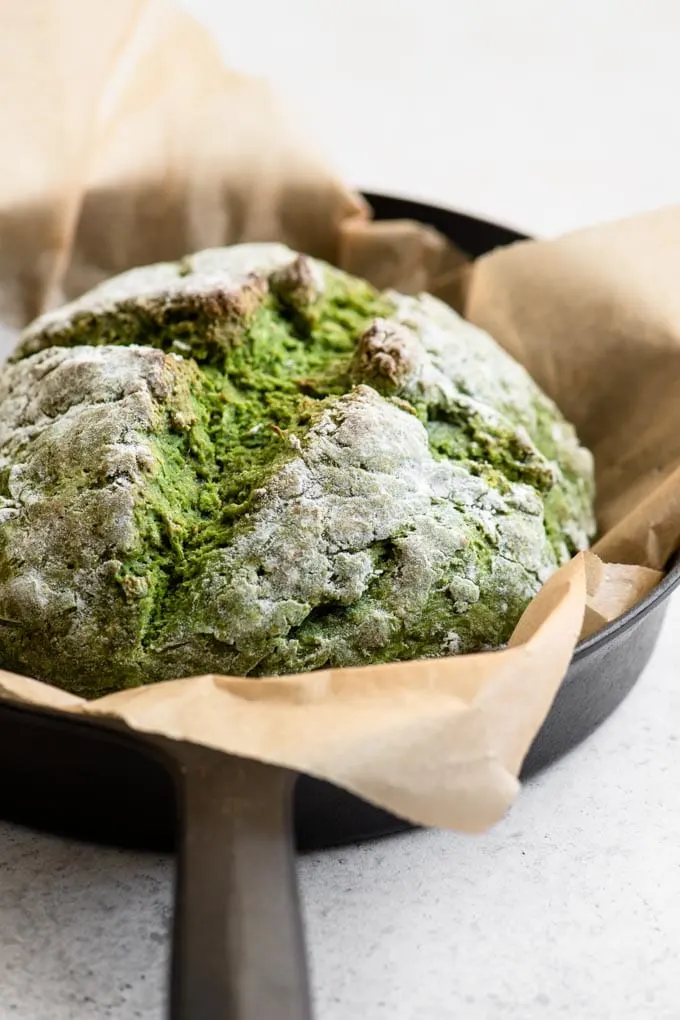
251	463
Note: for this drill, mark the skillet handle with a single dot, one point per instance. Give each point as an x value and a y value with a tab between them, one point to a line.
238	946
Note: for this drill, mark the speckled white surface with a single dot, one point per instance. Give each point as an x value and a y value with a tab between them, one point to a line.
568	909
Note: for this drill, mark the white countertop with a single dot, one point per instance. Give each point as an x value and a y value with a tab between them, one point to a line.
547	116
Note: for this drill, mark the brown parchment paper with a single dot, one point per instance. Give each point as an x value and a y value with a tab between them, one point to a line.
126	141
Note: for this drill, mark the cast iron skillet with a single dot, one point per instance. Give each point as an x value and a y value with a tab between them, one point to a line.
238	948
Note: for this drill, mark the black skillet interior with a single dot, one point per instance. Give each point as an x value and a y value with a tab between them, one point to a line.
84	780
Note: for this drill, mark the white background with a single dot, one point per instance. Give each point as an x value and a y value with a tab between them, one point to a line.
547	115
543	113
